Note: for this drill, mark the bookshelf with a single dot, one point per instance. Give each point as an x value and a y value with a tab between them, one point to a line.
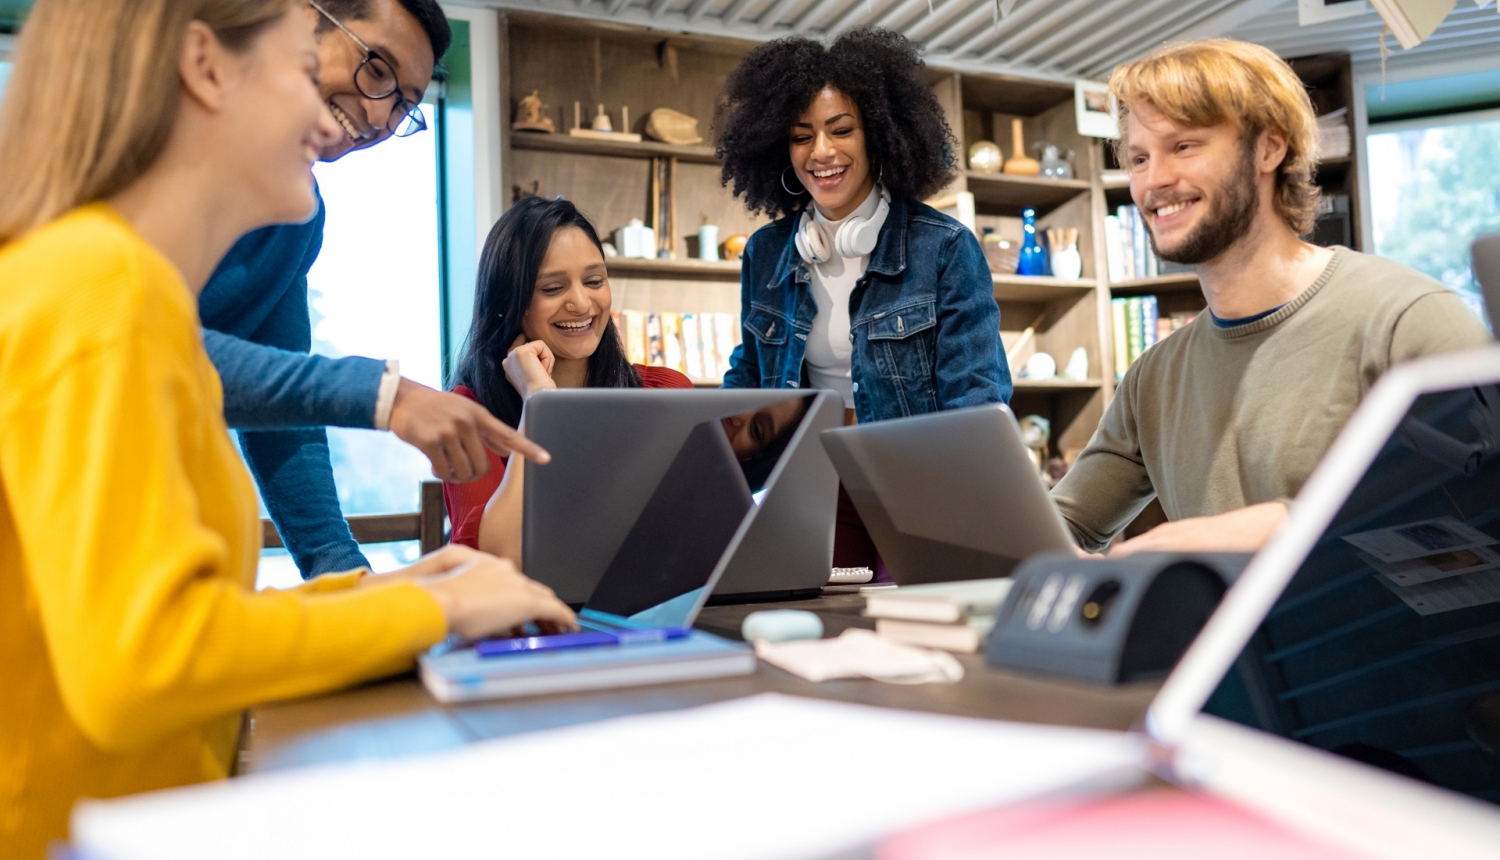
571	60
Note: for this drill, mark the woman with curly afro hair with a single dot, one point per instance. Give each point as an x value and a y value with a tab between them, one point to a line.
857	285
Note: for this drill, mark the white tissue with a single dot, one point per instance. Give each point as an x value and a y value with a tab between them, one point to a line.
861	653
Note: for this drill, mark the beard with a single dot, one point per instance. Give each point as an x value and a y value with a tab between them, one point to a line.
1229	218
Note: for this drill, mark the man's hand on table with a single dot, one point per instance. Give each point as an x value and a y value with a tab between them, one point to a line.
1244	530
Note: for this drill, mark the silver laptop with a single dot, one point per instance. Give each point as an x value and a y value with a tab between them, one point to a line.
949	495
1486	254
610	449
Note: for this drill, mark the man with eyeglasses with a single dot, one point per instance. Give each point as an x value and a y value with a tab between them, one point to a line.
377	59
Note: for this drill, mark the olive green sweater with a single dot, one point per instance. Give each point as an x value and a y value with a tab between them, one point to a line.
1214	419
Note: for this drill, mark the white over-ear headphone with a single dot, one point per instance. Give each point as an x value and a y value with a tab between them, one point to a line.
856	237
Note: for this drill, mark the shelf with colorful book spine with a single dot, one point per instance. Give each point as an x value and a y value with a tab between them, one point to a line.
1139	324
1129	256
697	345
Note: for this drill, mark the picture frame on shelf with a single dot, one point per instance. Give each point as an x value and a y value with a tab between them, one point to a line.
1098	114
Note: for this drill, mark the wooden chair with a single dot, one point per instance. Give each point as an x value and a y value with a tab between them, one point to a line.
426	525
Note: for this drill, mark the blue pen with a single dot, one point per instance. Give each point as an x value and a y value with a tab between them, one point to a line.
584	639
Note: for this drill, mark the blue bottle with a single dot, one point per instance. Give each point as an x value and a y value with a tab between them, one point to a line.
1033	255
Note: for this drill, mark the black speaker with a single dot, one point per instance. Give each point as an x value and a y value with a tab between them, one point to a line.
1108	620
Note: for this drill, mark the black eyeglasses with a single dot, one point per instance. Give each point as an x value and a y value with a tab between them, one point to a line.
376	80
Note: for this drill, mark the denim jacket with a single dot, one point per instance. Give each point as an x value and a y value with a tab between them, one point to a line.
923	319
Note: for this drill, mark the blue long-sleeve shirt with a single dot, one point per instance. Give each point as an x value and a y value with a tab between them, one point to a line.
258	333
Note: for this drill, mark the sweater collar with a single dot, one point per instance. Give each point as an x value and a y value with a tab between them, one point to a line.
1285	312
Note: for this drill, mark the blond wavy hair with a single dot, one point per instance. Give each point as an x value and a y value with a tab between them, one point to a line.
94	93
1205	83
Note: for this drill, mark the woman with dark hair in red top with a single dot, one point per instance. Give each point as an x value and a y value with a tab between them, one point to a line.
541	320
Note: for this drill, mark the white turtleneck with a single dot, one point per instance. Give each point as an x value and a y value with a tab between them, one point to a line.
828	344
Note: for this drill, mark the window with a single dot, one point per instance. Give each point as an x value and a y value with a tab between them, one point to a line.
1433	189
374	291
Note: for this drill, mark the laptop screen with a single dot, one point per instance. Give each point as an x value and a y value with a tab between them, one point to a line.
663	570
1385	645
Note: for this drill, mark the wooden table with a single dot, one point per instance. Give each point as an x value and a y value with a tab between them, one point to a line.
398	717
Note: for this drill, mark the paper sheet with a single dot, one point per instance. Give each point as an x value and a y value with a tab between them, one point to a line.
1454	592
1414	540
767	776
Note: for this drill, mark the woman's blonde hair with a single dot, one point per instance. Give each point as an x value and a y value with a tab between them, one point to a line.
94	93
1205	83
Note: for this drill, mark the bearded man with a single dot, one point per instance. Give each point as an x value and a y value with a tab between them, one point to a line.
1225	420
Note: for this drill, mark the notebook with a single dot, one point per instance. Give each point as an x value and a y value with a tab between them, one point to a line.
658	580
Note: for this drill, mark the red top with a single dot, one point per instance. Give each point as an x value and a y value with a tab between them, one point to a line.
466	502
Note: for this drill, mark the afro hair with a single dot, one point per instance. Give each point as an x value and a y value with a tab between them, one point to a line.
910	146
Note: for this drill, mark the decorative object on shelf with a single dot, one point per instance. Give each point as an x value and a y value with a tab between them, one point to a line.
531	115
734	246
609	250
1096	111
520	192
602	128
1055	165
708	243
985	157
1041	365
1033	259
601	121
1036	433
1026	335
1000	253
635	239
670	126
1066	261
1078	365
1019	164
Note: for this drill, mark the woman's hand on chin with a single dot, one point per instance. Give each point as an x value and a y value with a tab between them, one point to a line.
529	366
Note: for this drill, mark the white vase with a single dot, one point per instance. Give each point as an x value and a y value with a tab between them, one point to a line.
1067	263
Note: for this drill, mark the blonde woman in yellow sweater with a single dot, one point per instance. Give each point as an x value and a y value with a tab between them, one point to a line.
138	140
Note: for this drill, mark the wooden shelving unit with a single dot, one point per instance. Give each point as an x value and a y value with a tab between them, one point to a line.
1013	193
570	60
1182	281
1059	384
1037	288
638	267
563	142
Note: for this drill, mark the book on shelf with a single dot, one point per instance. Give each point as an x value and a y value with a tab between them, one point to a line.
655	354
697	345
1127	248
1138	326
692	347
965	636
939	602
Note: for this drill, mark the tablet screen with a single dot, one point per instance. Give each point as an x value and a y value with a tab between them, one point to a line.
1385	645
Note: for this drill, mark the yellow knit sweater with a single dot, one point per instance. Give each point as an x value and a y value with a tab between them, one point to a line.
130	636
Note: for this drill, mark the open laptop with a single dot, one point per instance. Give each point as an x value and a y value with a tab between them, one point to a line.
610	449
1349	683
948	496
1486	255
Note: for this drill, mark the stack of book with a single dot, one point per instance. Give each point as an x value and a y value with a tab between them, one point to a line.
1333	135
696	345
954	616
1127	248
1138	325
